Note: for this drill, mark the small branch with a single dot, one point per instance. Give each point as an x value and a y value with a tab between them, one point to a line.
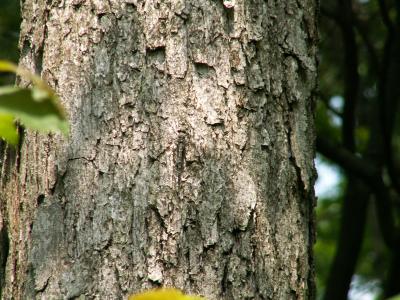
372	178
347	160
329	107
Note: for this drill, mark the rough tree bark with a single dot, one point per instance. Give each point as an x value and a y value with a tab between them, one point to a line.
190	158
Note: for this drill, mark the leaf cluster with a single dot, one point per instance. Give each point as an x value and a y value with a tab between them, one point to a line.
36	108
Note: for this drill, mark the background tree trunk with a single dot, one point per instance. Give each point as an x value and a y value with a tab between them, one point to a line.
190	159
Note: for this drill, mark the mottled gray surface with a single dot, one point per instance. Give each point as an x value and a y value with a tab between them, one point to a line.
189	162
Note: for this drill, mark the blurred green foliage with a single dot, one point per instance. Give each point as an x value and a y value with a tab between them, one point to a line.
373	261
371	34
328	213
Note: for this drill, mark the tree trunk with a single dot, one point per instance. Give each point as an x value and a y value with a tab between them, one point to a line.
190	158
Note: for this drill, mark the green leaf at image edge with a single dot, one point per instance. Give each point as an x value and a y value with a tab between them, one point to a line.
8	130
35	108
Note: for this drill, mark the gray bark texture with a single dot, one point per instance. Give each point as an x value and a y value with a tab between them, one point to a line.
190	158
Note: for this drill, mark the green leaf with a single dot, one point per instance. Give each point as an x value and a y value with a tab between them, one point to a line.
35	108
163	294
6	66
8	131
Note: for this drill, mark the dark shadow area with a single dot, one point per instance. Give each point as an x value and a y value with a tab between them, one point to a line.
4	246
10	20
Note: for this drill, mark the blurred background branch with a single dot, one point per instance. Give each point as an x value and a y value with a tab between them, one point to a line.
360	67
